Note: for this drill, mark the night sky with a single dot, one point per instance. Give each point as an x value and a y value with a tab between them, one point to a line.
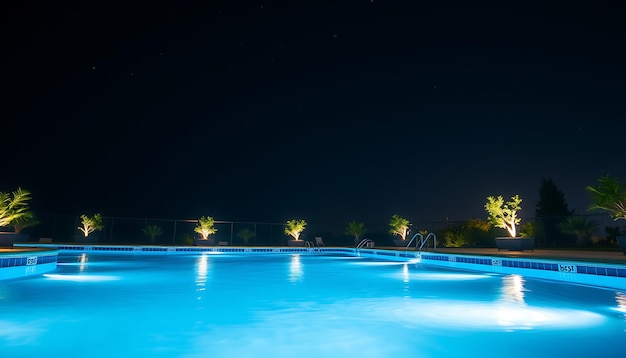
326	111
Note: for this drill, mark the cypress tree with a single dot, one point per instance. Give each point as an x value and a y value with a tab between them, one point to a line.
550	212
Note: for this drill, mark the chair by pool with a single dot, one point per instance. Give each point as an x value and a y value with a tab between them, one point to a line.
319	242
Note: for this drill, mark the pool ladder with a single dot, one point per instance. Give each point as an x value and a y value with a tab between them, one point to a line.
422	241
365	243
310	245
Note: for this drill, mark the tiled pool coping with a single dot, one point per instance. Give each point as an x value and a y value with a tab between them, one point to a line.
579	272
23	263
588	273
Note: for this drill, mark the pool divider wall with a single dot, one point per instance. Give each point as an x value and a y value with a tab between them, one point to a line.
588	273
189	249
27	263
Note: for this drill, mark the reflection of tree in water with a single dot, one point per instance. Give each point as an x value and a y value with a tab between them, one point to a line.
295	268
83	262
406	278
202	271
513	289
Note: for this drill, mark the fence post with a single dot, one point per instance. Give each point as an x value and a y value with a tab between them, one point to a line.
110	231
174	234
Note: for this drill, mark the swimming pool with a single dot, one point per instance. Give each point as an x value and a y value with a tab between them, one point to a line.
287	305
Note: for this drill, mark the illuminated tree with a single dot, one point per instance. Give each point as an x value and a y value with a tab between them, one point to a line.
399	226
24	221
294	228
504	215
90	224
13	206
205	227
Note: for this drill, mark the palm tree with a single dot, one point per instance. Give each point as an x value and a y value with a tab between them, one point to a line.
246	234
609	196
13	206
152	231
355	229
205	227
581	227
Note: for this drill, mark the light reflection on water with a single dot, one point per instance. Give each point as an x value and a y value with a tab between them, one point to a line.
81	278
620	298
202	270
295	269
513	289
206	305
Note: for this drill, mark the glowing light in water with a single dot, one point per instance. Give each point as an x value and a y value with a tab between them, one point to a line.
420	275
295	268
81	278
461	314
511	310
381	263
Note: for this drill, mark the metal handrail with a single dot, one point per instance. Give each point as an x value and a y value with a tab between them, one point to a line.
432	234
422	241
363	243
413	238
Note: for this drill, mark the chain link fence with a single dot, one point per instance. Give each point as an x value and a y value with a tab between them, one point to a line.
600	230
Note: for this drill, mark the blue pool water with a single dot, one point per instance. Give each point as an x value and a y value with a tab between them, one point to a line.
125	305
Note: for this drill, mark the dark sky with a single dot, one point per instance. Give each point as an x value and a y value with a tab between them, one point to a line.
327	111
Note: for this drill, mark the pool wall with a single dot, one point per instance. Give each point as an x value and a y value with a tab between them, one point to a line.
22	264
587	273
